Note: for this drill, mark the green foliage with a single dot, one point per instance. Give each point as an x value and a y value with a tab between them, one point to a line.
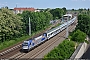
14	26
57	13
80	10
63	51
39	20
72	9
64	10
84	23
7	43
78	36
10	25
87	41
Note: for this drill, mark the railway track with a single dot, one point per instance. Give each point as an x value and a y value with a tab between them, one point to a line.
39	51
36	52
15	49
33	54
43	49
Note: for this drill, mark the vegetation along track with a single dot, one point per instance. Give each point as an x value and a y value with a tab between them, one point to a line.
40	50
46	46
6	53
18	56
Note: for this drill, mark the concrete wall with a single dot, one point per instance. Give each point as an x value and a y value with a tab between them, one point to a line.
81	49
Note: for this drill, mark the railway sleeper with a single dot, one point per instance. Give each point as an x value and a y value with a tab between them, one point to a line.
12	48
1	54
8	51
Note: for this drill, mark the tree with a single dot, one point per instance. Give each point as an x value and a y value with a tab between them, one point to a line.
57	13
78	36
64	10
47	10
10	25
6	7
72	9
88	9
39	20
80	10
84	23
85	9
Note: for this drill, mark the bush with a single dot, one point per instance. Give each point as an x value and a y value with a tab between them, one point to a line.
78	36
62	51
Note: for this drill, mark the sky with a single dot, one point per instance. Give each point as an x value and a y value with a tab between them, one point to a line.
43	4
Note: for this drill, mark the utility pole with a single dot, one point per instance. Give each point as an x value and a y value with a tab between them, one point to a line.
67	28
29	27
62	20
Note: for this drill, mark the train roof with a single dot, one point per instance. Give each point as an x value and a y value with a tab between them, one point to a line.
55	28
58	27
38	37
68	15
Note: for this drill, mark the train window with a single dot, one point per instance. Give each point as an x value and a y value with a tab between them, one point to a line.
26	43
56	30
44	34
48	34
33	44
51	33
30	43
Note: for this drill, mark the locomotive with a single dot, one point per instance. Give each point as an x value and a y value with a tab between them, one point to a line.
27	45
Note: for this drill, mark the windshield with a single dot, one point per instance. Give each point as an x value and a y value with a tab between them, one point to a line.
25	44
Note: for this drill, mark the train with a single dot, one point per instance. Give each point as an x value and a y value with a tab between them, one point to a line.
68	15
31	43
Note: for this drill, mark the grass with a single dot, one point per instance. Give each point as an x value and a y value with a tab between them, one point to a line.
9	43
6	44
